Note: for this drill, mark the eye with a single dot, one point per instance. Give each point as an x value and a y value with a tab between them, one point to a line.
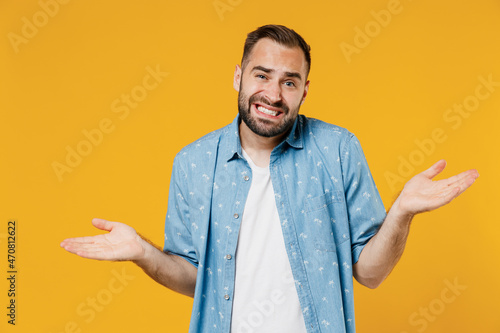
290	84
261	76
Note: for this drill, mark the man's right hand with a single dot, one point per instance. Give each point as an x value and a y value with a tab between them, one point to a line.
121	243
124	243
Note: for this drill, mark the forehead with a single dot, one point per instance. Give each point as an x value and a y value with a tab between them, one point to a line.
270	54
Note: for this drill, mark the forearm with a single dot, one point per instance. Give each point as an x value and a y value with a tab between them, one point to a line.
169	270
383	251
420	194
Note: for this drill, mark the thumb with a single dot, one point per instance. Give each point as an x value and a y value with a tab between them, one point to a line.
102	224
434	170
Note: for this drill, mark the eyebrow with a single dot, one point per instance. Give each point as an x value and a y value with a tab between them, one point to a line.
269	70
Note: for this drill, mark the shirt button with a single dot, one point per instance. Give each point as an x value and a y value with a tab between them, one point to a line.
236	215
228	256
226	297
246	178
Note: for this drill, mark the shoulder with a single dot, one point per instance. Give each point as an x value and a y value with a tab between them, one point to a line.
202	147
333	142
319	130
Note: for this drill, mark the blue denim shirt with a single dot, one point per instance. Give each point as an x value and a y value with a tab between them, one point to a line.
328	204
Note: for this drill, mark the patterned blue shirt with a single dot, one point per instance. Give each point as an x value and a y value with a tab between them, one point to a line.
328	205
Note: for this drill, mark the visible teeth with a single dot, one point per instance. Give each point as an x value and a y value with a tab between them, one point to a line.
266	111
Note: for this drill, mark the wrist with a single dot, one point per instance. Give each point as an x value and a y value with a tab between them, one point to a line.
144	253
401	214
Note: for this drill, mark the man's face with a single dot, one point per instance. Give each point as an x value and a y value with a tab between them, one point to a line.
271	87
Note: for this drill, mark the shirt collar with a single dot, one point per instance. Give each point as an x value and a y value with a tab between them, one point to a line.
233	140
294	138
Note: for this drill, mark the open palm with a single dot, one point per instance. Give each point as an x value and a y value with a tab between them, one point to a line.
121	243
421	193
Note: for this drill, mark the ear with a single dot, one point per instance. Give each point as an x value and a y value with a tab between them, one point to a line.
237	78
306	89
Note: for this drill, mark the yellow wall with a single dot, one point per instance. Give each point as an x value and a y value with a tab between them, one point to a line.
64	70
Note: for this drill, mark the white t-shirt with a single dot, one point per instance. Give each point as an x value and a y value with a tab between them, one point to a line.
265	298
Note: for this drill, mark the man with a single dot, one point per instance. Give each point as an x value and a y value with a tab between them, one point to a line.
270	217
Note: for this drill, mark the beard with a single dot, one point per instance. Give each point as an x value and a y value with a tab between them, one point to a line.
265	127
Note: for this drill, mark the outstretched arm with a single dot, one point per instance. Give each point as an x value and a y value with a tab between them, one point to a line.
420	194
123	243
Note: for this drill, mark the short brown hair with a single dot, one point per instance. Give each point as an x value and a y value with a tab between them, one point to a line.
279	34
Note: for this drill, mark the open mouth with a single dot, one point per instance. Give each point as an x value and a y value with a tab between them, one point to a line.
268	111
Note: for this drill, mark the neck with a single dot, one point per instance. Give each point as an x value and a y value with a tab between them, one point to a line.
258	147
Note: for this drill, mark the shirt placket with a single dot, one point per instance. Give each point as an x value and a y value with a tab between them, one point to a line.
244	177
292	246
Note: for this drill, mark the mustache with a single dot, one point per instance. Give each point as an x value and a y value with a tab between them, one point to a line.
280	105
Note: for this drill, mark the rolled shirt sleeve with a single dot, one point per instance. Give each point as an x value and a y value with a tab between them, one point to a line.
178	238
365	208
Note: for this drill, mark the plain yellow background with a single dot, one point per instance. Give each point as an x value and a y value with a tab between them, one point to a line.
396	88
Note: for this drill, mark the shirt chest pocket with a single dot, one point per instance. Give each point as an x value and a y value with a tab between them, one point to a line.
327	220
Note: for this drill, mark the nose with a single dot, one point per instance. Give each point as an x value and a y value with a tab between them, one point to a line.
273	92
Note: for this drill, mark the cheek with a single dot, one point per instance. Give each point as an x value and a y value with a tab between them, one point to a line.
250	91
293	100
252	85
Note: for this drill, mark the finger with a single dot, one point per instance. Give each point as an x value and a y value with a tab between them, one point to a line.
71	246
90	251
91	254
434	170
102	224
74	247
461	177
466	182
450	194
456	189
82	240
94	255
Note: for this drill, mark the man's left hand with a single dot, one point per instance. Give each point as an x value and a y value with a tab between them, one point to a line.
421	193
